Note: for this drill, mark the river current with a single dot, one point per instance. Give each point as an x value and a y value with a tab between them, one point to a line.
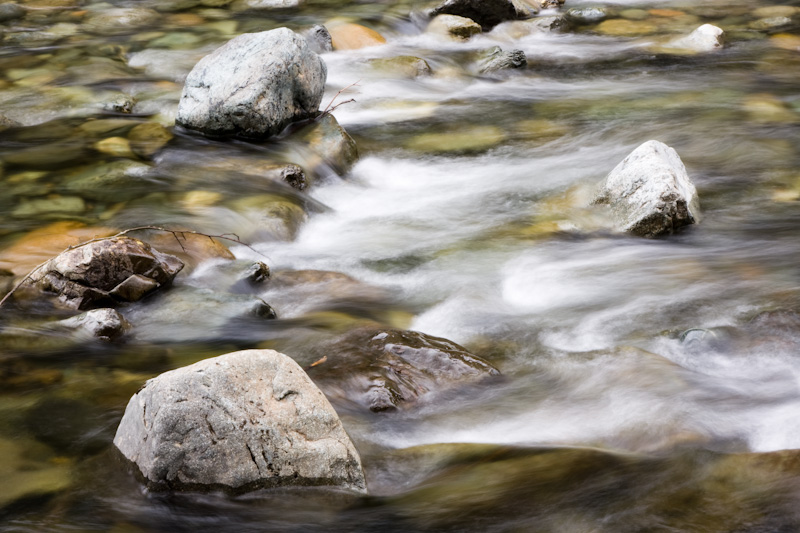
647	384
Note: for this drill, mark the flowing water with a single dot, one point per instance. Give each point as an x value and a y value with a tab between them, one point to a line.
648	385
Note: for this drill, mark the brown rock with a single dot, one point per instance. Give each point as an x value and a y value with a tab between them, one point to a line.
352	36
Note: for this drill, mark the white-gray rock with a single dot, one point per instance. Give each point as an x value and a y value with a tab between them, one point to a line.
253	86
706	38
237	422
104	324
650	193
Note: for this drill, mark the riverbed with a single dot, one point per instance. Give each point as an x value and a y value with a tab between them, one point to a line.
646	384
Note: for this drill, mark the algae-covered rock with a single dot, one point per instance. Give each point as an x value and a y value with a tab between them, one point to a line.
650	193
466	139
120	20
11	11
115	181
386	369
240	421
148	139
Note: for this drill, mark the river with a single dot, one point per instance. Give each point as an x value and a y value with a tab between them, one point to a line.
647	384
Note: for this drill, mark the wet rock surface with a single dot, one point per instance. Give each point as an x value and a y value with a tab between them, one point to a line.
102	324
239	422
253	86
487	13
107	271
650	193
386	369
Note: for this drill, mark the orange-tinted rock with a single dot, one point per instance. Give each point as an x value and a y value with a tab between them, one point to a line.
352	36
41	244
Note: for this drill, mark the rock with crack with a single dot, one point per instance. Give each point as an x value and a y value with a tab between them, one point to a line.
102	273
384	369
650	193
237	422
253	86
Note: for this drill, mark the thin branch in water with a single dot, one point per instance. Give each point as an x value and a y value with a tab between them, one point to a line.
328	109
232	237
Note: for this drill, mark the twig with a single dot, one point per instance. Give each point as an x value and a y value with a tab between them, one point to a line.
328	109
226	236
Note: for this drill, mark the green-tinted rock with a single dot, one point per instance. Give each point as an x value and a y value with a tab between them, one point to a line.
52	205
149	138
27	469
401	67
117	21
11	11
626	28
453	26
467	139
177	40
117	181
329	143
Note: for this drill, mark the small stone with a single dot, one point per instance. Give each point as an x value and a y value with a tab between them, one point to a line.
271	4
116	181
329	143
454	26
115	147
147	139
634	14
120	104
239	422
134	288
776	11
498	59
349	36
786	41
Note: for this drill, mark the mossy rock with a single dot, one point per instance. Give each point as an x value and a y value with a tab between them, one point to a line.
462	140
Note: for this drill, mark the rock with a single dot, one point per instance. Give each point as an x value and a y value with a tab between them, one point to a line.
650	193
104	272
72	427
625	28
192	314
237	422
329	143
706	38
466	139
350	36
117	181
403	67
253	86
271	4
487	13
587	15
119	21
253	276
115	147
497	59
104	324
35	247
52	205
319	39
454	26
147	139
29	470
385	369
6	123
121	103
11	11
770	23
776	11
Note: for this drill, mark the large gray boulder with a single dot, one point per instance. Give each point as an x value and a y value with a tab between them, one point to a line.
103	273
253	86
237	422
650	193
487	13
